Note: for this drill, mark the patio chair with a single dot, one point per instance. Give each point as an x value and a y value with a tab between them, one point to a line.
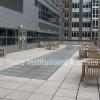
82	53
97	55
90	69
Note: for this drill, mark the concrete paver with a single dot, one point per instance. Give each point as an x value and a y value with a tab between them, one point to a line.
64	84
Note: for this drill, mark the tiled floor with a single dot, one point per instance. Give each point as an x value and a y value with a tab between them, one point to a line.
64	84
43	69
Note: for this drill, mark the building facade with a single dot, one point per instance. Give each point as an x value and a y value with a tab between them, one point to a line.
81	19
98	41
24	23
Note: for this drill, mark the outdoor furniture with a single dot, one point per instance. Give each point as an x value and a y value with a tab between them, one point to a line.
91	53
97	55
90	69
2	52
52	46
87	51
83	52
43	44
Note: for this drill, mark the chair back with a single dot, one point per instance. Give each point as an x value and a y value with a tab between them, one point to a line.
93	68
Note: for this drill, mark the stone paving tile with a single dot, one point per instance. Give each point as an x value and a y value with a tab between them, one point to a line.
69	86
2	83
57	79
90	87
62	98
72	80
67	93
35	81
83	99
41	72
19	95
6	78
46	90
88	95
52	84
4	92
24	55
10	73
20	80
28	88
37	96
11	85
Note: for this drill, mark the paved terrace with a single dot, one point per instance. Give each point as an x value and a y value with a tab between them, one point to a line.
62	84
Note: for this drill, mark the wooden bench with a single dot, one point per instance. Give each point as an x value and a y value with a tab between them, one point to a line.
2	52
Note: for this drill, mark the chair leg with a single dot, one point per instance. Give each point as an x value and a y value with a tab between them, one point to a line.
85	81
82	78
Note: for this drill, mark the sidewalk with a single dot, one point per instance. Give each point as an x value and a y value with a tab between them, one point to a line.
23	56
64	84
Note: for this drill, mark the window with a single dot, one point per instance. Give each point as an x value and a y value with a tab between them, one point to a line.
36	37
75	24
86	24
11	37
16	5
2	37
75	5
74	34
86	4
75	14
47	15
86	14
8	37
95	24
95	12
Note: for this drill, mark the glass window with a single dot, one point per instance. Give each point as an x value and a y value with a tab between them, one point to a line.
11	37
16	5
2	37
48	15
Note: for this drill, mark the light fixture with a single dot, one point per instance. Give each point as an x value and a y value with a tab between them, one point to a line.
21	26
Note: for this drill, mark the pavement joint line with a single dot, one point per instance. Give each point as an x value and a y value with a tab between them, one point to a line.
20	90
98	88
14	89
26	51
39	86
78	89
21	74
5	98
61	83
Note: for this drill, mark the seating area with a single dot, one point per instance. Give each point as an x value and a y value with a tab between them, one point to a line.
90	69
91	65
87	51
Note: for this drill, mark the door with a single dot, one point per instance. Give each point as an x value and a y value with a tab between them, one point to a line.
22	40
